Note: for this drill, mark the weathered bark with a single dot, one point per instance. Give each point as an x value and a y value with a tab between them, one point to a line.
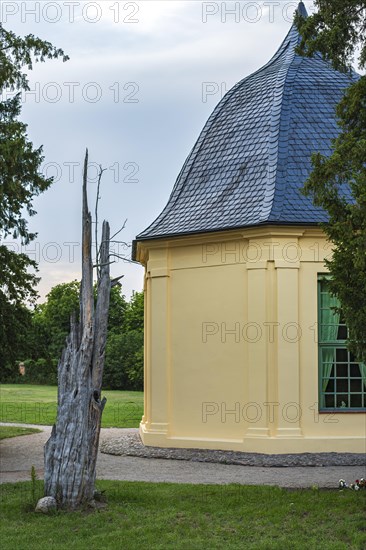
71	452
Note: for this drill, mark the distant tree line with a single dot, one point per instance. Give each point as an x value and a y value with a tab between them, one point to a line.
41	334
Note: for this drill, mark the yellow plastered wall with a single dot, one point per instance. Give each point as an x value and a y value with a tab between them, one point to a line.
231	354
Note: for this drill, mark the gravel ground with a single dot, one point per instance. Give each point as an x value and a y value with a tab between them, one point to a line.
17	455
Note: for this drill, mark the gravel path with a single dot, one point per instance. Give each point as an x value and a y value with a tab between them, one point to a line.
17	455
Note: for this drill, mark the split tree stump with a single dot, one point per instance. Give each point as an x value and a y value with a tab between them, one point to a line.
71	451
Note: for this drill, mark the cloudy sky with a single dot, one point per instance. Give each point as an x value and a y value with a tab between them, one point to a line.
142	79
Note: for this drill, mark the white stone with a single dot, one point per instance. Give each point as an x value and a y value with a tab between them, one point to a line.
46	505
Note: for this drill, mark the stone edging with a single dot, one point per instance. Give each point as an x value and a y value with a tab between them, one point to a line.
130	444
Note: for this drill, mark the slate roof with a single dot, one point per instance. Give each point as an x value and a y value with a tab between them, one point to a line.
253	154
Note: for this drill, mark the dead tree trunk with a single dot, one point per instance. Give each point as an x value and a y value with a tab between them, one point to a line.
71	452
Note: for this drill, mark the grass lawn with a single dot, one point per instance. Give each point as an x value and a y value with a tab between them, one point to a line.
189	517
13	431
37	405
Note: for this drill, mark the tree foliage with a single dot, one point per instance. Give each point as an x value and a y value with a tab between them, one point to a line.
53	316
51	320
20	182
124	361
135	312
15	321
338	32
43	331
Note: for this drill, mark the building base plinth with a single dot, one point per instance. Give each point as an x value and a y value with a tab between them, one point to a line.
267	445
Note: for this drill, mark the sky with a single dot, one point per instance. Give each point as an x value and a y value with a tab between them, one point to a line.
142	79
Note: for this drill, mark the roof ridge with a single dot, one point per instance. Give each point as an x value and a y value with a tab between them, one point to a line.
301	10
290	41
284	124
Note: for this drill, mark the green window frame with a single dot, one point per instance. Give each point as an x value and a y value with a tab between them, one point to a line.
342	380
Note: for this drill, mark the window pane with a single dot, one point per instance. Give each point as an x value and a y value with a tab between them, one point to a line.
328	355
326	299
342	332
328	385
356	385
342	401
324	296
329	332
341	355
356	400
329	401
355	370
329	319
342	385
342	370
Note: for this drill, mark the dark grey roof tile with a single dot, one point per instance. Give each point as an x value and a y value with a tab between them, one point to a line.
253	155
